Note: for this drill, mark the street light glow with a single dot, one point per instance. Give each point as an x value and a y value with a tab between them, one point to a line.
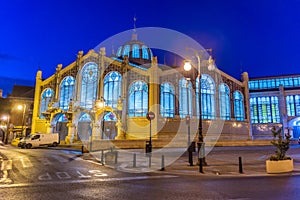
187	66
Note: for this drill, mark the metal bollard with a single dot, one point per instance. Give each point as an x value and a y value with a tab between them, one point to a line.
240	165
134	160
116	157
201	165
162	163
102	157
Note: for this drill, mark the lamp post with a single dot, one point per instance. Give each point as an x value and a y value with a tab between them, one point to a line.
100	104
22	107
201	144
187	67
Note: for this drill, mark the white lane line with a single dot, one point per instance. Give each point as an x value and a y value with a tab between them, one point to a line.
86	180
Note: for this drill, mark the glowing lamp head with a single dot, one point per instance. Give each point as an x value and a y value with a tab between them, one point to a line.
187	66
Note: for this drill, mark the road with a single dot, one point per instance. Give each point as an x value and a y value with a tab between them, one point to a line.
61	174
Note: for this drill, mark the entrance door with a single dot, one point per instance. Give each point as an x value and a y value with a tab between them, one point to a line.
62	129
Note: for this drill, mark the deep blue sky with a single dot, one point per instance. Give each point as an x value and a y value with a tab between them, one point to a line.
257	36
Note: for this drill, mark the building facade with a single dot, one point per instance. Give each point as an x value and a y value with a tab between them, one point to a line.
99	97
275	101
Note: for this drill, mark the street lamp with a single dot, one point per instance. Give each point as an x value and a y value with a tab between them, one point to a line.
22	107
201	144
100	104
187	67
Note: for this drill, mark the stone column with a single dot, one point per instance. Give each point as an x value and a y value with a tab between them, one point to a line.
245	79
282	110
71	130
36	103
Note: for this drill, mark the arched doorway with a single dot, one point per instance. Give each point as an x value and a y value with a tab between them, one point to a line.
84	127
109	126
294	126
61	122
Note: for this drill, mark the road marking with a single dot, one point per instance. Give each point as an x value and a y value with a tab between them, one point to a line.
45	161
87	180
6	165
62	175
45	177
25	162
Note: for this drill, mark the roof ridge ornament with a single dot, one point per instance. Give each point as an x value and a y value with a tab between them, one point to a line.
134	35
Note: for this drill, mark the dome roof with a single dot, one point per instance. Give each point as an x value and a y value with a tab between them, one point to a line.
136	51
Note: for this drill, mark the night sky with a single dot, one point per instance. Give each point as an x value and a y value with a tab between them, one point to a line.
257	36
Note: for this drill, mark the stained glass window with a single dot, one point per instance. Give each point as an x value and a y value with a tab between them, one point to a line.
126	50
145	54
238	106
135	51
138	99
293	105
224	101
66	92
185	98
112	88
208	89
264	109
47	97
167	100
89	85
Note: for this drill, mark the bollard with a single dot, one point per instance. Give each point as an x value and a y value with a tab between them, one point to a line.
102	157
134	160
116	157
162	163
201	165
240	165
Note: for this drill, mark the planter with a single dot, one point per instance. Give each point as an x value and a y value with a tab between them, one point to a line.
279	166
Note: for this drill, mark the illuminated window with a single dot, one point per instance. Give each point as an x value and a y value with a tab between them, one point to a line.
238	106
293	105
264	109
167	100
207	97
224	101
185	98
47	97
66	92
112	88
126	50
119	51
89	77
135	51
138	99
145	54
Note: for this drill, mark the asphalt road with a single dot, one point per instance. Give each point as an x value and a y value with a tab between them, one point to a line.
59	174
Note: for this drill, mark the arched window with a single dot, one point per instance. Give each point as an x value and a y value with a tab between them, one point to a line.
208	107
112	88
66	92
126	50
238	106
185	98
138	99
135	51
89	85
145	53
167	100
47	97
119	51
224	101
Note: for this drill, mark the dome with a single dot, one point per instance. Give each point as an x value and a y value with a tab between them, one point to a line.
136	51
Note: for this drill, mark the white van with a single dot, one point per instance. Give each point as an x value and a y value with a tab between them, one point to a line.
40	139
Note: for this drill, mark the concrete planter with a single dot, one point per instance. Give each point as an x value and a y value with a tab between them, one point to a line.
279	166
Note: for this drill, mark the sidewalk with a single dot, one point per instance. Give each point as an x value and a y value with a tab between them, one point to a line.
222	161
